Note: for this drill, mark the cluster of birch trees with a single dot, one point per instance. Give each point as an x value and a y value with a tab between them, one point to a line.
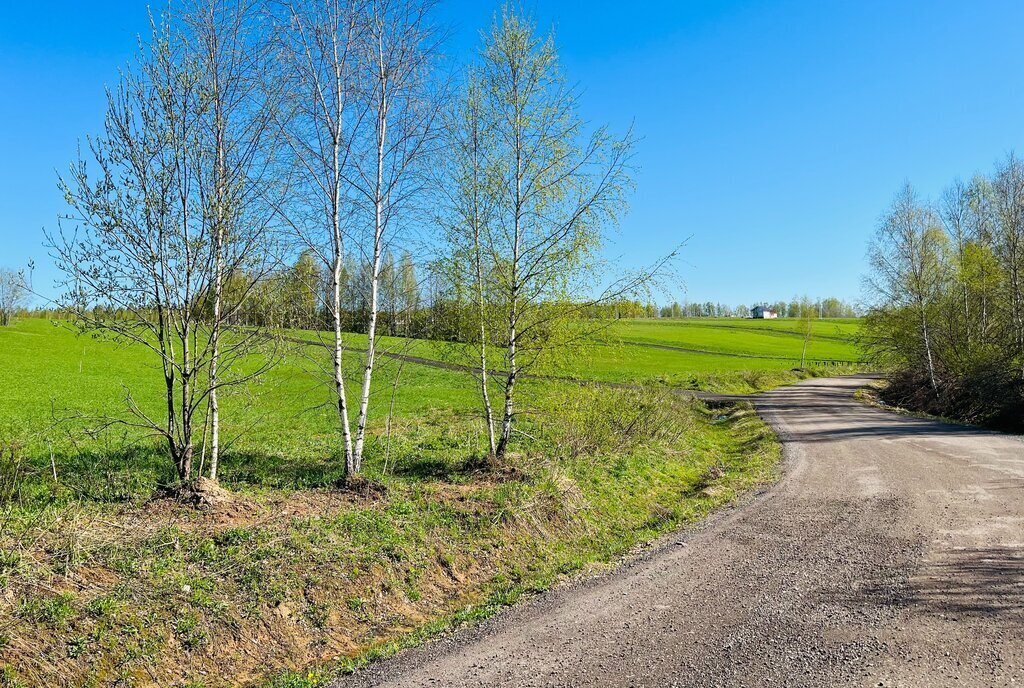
947	290
265	156
529	196
13	294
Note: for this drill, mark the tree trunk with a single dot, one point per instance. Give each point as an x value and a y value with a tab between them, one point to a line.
185	446
510	384
371	350
488	413
215	354
513	372
481	302
928	350
185	466
183	455
378	247
339	373
214	424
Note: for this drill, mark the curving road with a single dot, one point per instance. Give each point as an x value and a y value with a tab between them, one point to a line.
890	554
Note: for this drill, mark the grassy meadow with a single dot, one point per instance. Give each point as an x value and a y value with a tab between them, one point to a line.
106	580
728	355
831	339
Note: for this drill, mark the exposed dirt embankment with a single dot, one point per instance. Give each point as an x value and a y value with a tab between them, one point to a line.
987	400
317	580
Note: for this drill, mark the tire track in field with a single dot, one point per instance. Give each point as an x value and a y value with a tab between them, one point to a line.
471	370
732	354
777	332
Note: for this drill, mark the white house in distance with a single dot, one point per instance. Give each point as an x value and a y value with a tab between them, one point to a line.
763	313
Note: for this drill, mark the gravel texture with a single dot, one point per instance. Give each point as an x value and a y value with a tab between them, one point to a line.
890	554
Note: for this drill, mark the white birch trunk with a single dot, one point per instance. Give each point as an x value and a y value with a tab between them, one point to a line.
488	413
378	246
513	319
351	467
339	373
218	292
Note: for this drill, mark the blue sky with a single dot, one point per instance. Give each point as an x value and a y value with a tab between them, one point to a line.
774	132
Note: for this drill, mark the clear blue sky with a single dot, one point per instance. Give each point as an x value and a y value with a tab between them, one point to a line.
774	132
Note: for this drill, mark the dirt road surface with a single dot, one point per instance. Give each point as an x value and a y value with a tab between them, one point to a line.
890	554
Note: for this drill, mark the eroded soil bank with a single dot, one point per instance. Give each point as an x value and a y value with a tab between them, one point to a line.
293	586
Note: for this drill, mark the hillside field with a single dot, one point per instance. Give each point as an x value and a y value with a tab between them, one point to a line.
729	355
106	580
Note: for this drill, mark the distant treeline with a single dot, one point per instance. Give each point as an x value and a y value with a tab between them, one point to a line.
297	297
796	308
293	297
947	281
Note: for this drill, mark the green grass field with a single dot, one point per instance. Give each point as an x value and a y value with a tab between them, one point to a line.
51	374
713	354
830	339
105	580
51	369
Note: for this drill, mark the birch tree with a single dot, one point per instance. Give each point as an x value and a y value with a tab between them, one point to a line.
967	212
467	186
235	172
13	293
1008	245
168	207
319	51
399	53
955	211
136	243
982	273
907	267
558	191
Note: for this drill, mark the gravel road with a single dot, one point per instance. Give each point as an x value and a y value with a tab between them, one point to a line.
890	554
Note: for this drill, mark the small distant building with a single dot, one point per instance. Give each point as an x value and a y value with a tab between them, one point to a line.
763	313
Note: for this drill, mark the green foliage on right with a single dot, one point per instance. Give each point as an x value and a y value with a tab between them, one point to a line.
947	281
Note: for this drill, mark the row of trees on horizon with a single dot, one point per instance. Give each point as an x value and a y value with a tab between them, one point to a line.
412	301
411	305
796	307
947	285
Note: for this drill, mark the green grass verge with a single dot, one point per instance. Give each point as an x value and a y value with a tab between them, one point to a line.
105	582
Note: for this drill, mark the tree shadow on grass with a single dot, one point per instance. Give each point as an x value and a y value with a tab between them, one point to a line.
106	476
138	472
271	470
266	469
456	469
430	468
141	470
